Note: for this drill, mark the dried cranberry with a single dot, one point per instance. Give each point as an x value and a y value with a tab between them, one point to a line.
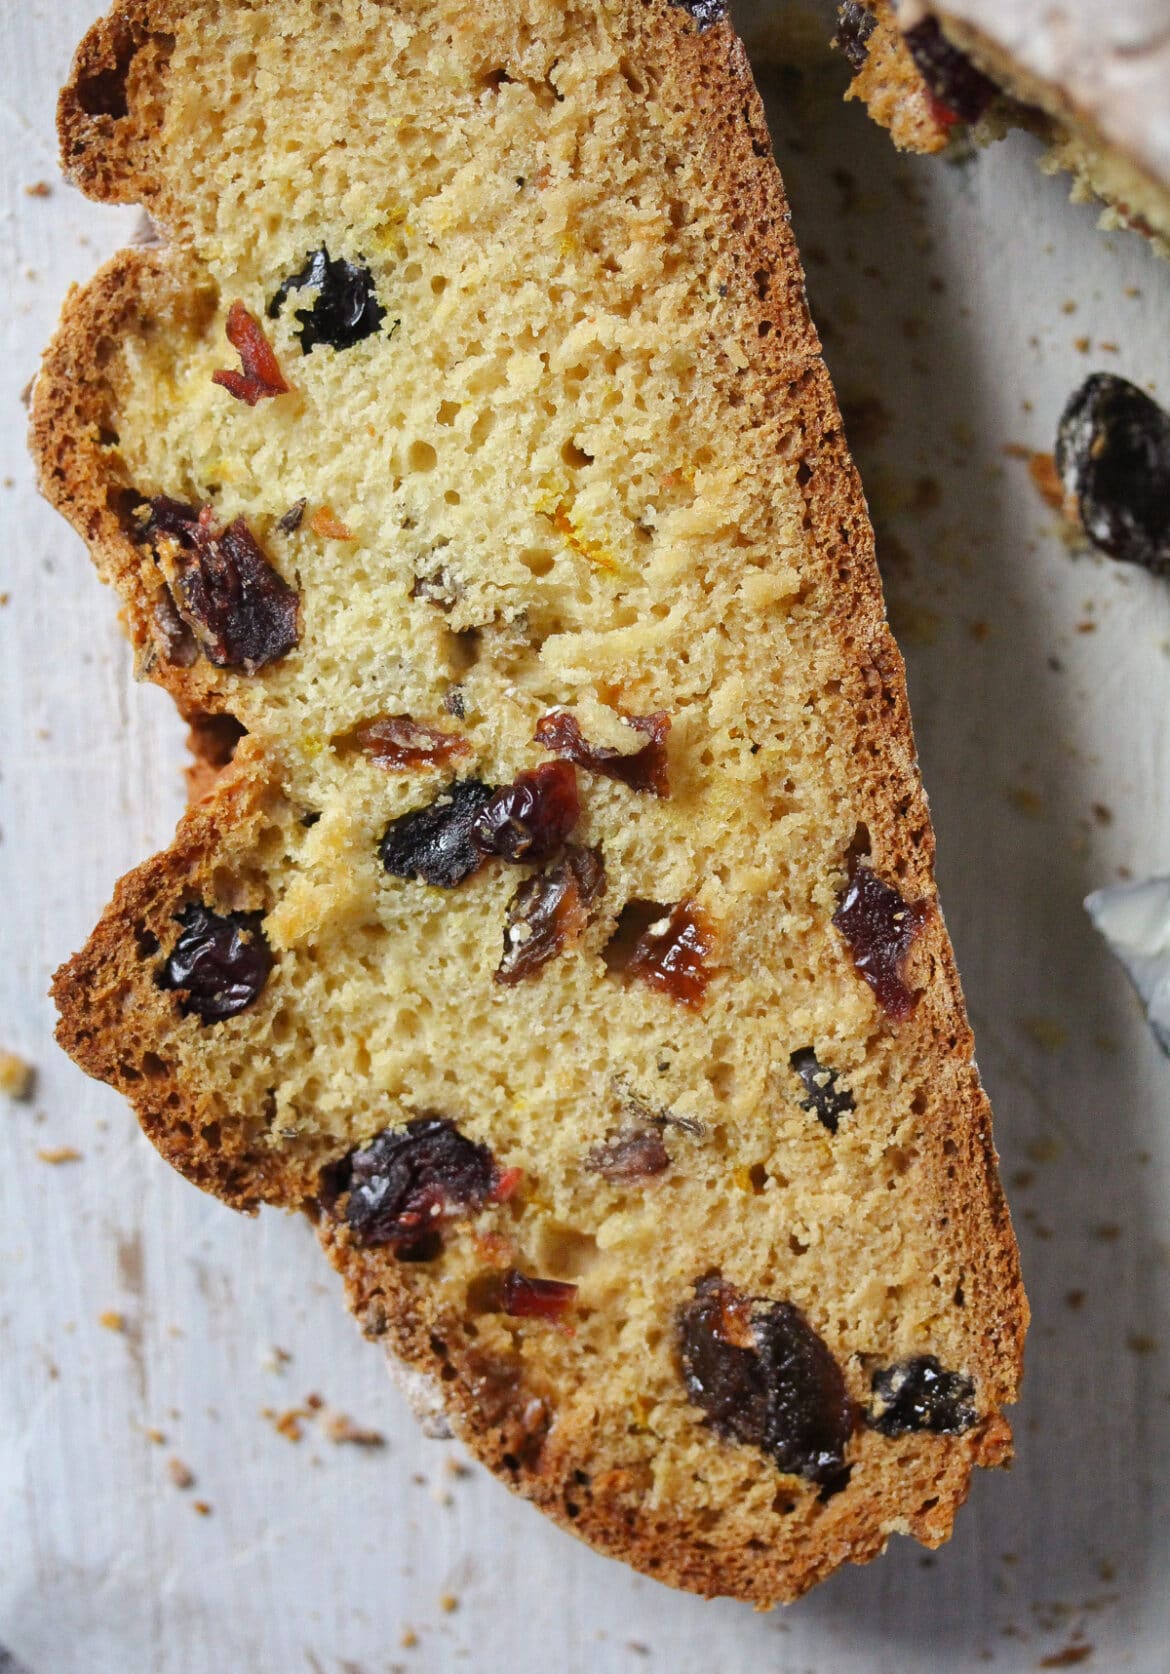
406	1185
528	1298
261	376
918	1395
855	24
1113	457
671	955
398	741
962	90
629	1157
345	309
644	770
549	912
880	928
704	12
824	1096
434	843
530	818
765	1378
220	962
242	612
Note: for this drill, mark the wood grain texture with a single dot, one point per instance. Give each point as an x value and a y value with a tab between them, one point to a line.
104	1563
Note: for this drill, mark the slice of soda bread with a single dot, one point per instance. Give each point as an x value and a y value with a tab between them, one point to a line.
563	934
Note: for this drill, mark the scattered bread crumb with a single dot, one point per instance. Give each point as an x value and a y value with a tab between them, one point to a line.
1140	1342
58	1154
457	1467
1068	1658
17	1076
202	1507
39	189
1074	1299
158	1437
339	1427
1024	800
180	1474
1045	1032
448	1603
112	1320
409	1639
276	1359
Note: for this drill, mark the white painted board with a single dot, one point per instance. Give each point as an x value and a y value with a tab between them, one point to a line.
956	297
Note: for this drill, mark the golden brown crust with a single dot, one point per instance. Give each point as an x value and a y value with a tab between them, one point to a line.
507	1421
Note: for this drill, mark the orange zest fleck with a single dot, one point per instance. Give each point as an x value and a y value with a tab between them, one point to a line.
331	528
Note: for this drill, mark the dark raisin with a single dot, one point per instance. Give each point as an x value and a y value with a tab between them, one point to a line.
829	1101
219	964
963	91
549	912
529	1298
345	309
644	770
671	954
1113	457
918	1395
261	376
631	1156
880	928
292	518
530	818
704	12
406	1185
855	24
435	843
765	1378
399	742
242	612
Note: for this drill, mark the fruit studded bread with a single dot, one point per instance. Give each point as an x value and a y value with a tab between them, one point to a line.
1090	79
562	936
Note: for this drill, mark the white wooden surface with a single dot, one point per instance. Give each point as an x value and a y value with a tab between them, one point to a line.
943	288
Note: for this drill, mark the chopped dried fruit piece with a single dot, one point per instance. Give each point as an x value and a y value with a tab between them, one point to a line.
345	309
549	912
629	1157
1113	456
704	12
435	843
963	91
409	1183
330	528
764	1377
829	1101
671	954
242	612
219	964
291	521
529	1298
855	24
261	376
530	818
918	1395
399	742
643	770
880	928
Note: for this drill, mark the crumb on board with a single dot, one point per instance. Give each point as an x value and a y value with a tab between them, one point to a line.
1070	1657
39	189
156	1436
180	1474
17	1076
201	1507
112	1320
1140	1342
448	1603
57	1154
1024	800
457	1467
1045	1032
408	1639
1074	1299
337	1427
